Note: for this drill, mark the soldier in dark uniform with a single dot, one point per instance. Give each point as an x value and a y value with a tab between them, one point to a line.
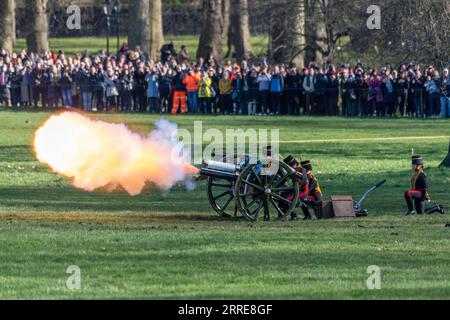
302	178
315	197
418	194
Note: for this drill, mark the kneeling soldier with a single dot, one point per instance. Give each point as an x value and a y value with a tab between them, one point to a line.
418	194
315	196
301	177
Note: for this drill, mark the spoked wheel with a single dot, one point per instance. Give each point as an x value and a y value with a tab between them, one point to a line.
271	193
221	194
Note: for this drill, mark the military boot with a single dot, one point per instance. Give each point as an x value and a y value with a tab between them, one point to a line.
294	216
438	209
319	212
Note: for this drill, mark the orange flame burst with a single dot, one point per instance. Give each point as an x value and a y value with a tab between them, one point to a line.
97	154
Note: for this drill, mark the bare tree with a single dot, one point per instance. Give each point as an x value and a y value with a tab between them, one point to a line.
139	25
212	29
7	24
14	35
226	15
156	29
37	25
287	42
297	38
239	30
315	30
410	29
308	30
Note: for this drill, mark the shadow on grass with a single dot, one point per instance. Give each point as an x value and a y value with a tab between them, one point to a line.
16	153
61	197
136	222
67	198
30	110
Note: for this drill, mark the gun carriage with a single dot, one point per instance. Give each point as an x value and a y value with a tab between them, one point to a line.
241	185
244	186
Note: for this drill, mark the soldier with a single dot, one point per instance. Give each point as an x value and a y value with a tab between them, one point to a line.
302	178
315	196
418	194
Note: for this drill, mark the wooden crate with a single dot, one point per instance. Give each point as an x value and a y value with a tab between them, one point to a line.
343	206
327	211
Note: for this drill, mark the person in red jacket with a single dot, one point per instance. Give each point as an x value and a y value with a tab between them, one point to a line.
302	179
315	196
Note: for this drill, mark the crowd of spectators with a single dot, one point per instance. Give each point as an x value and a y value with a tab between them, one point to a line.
129	82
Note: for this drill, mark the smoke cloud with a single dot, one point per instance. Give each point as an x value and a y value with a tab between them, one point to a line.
101	155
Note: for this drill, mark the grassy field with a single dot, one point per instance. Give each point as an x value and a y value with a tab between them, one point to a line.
174	246
77	45
260	45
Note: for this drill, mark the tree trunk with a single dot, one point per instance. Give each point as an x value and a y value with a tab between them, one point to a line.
212	30
14	24
226	16
231	50
139	25
278	29
156	29
316	33
239	36
7	30
37	31
288	36
298	39
446	162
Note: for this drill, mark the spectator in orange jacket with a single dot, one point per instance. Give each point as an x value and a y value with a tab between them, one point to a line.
179	93
191	82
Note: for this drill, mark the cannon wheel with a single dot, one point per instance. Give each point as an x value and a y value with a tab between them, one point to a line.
221	192
255	192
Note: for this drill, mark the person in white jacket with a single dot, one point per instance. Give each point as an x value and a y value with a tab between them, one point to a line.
111	90
263	82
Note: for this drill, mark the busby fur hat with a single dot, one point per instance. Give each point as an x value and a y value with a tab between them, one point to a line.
417	160
290	161
307	165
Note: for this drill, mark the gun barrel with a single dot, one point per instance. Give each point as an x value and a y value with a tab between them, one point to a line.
221	166
219	174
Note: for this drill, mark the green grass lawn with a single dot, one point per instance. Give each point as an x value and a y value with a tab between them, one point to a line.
174	246
259	43
93	44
